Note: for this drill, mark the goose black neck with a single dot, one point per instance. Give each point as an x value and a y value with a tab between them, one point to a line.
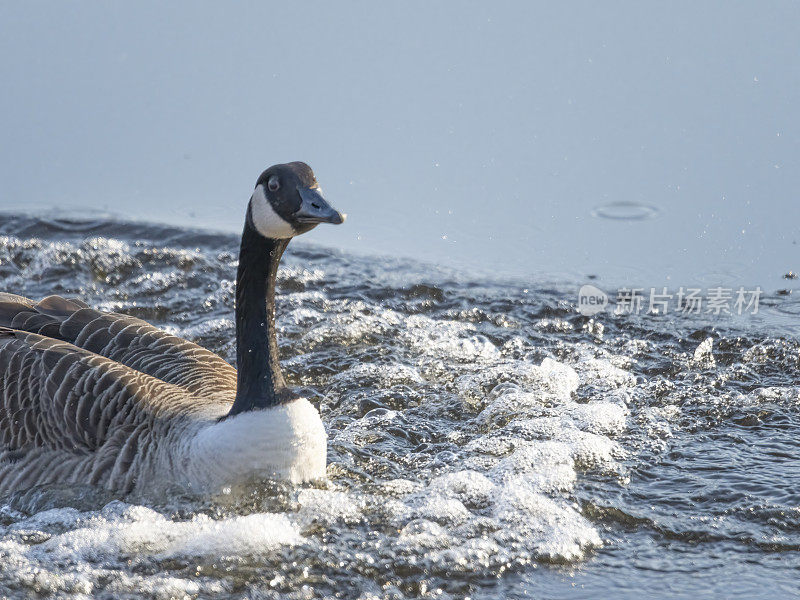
260	383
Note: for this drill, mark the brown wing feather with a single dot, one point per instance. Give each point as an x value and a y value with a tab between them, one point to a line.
58	396
100	417
127	340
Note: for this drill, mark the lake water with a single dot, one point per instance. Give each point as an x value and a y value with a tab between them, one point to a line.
483	136
485	438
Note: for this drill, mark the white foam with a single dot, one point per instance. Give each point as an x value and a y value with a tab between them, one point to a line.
550	379
550	528
375	374
703	353
423	534
299	273
152	534
436	507
157	282
469	487
455	339
548	466
605	373
604	418
328	506
98	544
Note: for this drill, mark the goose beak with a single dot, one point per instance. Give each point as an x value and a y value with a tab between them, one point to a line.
315	209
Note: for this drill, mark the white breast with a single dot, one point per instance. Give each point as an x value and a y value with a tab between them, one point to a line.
286	441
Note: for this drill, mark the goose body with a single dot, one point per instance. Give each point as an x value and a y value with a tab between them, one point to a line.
90	397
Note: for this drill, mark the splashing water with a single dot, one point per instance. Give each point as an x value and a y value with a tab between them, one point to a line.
484	439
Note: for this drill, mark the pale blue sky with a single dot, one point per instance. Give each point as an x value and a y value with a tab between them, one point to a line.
461	133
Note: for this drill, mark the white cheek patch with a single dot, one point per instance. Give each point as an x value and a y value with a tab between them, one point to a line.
267	222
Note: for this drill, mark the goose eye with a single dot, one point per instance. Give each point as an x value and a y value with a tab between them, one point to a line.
273	184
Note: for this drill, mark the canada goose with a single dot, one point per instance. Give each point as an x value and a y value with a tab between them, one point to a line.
107	399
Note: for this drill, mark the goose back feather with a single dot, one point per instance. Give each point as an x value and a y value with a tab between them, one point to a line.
70	415
122	338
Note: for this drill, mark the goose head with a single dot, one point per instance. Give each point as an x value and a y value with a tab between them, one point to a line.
288	201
